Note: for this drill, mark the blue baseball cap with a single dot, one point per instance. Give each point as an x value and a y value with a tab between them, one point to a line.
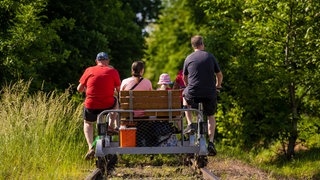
102	56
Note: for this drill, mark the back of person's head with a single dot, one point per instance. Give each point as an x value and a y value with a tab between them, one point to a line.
137	68
196	41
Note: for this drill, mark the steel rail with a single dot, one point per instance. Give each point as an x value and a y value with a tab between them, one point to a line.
93	175
206	174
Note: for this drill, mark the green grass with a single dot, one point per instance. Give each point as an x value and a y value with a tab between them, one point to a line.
41	137
305	164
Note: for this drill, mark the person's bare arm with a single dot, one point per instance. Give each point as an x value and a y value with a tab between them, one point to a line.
116	91
81	88
185	80
118	88
219	78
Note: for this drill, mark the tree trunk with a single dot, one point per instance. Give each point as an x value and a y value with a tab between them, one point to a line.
293	133
292	141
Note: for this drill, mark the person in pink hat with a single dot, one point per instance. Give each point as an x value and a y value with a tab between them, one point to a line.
164	82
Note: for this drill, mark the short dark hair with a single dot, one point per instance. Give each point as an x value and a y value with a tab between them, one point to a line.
136	68
196	41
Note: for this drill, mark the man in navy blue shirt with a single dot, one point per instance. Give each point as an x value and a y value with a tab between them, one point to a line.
203	78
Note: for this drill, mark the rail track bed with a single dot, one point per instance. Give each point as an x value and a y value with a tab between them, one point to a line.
187	171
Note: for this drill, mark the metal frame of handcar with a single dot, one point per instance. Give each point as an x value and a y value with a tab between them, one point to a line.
195	145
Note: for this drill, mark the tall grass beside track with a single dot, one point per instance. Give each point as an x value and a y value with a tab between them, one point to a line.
41	135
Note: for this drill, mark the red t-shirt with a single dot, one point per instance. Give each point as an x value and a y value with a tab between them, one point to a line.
100	82
179	79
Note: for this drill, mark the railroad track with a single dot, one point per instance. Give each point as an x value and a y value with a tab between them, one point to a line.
94	174
204	172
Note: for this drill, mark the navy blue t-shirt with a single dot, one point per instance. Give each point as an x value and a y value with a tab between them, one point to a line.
200	67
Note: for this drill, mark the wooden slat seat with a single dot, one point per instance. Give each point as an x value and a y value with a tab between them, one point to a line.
139	101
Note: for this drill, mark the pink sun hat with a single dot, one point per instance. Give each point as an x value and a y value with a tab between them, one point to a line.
164	79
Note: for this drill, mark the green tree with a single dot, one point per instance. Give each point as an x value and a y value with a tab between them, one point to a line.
54	41
275	73
288	36
26	44
268	55
104	25
146	11
169	40
224	19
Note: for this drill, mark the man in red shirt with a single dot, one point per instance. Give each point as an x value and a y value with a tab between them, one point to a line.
99	83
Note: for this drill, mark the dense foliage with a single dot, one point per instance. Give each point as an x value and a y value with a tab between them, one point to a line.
269	55
53	41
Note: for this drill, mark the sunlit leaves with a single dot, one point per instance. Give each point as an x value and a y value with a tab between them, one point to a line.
169	42
275	47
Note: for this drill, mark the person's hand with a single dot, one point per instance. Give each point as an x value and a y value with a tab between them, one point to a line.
218	89
115	93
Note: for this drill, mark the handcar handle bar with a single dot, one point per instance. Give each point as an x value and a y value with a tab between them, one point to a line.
100	116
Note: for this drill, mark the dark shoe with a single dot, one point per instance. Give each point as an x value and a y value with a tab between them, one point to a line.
189	130
89	155
211	149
